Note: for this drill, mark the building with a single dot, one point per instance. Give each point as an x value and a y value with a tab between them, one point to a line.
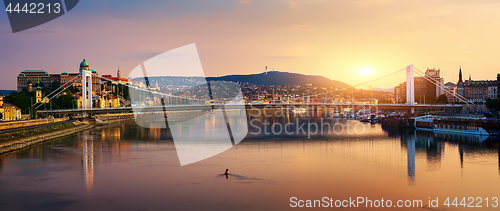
498	86
460	75
96	85
115	80
9	112
119	72
26	79
493	88
479	91
38	93
110	82
430	86
474	91
108	101
450	89
435	75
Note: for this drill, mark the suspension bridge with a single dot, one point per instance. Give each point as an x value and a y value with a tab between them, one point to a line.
151	100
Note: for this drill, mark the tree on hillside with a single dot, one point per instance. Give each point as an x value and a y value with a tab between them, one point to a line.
64	101
19	99
55	85
442	99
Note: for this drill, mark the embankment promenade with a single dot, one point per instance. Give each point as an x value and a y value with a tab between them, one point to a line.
22	134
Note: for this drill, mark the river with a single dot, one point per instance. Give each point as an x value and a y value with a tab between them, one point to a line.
127	167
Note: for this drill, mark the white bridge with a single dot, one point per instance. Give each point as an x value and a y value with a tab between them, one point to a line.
188	103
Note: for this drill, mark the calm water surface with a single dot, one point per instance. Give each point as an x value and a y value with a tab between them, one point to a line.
126	167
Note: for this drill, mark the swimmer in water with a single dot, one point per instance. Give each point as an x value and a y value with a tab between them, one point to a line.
226	172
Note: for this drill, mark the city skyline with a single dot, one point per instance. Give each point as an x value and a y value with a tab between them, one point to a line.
339	40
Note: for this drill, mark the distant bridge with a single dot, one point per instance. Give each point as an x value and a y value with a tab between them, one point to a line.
314	106
179	103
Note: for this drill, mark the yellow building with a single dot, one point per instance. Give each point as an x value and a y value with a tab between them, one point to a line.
9	112
38	93
110	102
103	102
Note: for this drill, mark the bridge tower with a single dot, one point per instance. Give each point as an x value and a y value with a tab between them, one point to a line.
410	85
86	92
86	89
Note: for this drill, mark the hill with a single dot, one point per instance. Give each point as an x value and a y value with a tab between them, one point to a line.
383	90
6	92
281	78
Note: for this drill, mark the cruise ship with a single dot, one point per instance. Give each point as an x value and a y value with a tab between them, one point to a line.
474	126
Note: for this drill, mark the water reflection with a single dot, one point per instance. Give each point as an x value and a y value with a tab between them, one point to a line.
129	167
88	162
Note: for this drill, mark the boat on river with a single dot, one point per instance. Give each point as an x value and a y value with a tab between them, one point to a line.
474	126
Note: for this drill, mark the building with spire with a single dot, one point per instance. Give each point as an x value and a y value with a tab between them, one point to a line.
460	75
119	72
480	90
115	80
38	92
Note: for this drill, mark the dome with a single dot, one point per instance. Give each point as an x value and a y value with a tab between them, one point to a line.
84	63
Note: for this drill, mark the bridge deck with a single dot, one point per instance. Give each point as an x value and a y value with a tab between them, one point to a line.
254	106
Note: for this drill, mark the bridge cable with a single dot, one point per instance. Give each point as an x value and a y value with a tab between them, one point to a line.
56	91
436	83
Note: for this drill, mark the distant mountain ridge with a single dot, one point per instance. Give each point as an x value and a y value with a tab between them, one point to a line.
383	90
281	78
6	92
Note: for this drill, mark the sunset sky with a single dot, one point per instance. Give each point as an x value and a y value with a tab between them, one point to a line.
351	41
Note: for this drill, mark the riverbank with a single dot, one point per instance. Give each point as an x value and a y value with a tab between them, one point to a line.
20	139
28	123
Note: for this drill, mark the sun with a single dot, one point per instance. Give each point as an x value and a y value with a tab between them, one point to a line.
365	71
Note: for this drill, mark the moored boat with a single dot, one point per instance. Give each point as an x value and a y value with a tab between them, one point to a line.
454	125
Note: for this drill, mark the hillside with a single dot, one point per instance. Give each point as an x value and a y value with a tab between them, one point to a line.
383	90
281	78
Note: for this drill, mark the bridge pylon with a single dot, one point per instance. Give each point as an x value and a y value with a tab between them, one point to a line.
86	92
410	85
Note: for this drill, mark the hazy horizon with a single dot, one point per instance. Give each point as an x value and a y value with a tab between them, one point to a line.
347	41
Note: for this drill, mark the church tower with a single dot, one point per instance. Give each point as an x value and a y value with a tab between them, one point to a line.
460	75
119	72
38	92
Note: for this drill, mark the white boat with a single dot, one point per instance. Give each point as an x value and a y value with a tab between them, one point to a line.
449	125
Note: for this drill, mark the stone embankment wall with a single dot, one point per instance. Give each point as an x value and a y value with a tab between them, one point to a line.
23	142
26	123
38	138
